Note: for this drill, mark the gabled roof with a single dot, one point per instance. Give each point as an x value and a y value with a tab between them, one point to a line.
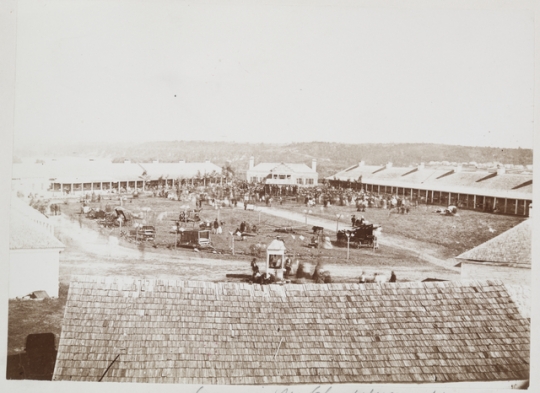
79	170
236	333
27	235
513	247
283	167
443	179
355	172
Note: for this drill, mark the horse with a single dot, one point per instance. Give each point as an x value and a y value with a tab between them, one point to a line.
376	278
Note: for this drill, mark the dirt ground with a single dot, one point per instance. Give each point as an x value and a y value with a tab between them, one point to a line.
88	251
418	245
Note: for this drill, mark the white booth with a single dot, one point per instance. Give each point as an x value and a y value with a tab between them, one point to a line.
275	258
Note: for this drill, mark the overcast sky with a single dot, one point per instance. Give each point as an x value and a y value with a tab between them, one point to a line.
272	73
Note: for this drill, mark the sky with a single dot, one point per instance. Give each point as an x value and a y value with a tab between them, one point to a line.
177	70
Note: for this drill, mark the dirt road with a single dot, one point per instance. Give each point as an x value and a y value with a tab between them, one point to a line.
90	253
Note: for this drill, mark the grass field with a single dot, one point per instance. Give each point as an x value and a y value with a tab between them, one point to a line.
232	218
452	235
34	316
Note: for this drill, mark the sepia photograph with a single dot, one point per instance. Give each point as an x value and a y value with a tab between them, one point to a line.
284	196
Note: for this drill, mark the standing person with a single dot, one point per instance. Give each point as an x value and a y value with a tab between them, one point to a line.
375	243
254	266
393	277
288	266
216	226
141	248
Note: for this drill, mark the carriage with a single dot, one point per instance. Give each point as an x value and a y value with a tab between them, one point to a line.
143	233
358	236
194	238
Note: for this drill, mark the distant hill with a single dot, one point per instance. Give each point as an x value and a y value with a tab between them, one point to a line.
331	157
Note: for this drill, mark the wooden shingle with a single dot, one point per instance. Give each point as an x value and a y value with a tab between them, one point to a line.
179	332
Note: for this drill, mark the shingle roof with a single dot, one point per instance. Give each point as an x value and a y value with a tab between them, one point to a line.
30	229
512	247
236	333
25	235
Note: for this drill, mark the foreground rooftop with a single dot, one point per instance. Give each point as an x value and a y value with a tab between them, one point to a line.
231	333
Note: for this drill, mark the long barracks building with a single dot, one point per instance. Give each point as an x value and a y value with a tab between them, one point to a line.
509	193
79	176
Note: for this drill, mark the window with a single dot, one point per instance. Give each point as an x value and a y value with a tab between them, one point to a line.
309	181
275	176
253	179
275	261
288	176
282	176
299	181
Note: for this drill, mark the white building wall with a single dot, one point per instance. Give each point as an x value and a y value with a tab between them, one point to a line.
34	270
262	175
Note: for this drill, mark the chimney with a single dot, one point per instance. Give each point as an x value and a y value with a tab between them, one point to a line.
314	165
251	162
421	166
182	161
362	163
458	168
389	165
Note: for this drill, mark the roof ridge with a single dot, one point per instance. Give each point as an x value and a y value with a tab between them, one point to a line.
281	287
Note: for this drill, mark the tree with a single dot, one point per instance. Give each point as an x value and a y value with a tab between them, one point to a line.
228	171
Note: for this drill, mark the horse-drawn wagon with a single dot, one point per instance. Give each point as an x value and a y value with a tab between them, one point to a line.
142	233
359	236
194	238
